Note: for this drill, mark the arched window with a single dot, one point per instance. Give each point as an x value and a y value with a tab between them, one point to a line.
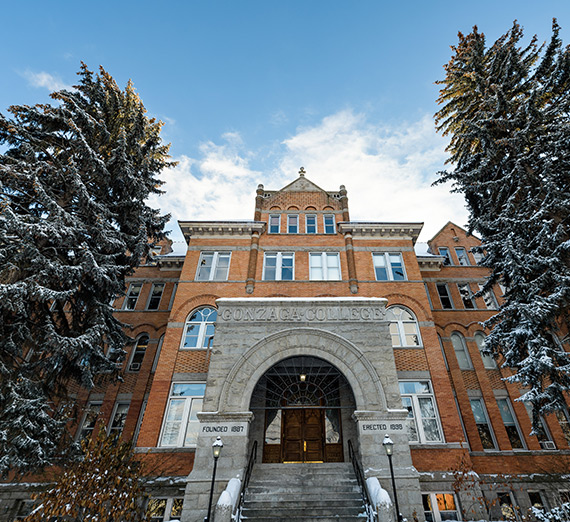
488	361
141	345
403	327
199	329
458	342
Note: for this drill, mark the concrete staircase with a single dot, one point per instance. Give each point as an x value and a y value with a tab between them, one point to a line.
303	493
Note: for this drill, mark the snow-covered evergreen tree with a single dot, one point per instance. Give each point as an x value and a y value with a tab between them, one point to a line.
74	177
506	109
105	486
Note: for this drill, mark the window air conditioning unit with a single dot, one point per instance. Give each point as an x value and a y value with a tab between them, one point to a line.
548	445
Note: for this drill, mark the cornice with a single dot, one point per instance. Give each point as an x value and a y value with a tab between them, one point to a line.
383	230
430	263
170	262
220	228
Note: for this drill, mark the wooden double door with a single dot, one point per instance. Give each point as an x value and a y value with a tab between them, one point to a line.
303	435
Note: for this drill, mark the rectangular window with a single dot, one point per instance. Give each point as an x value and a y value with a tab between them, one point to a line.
279	267
462	257
488	360
132	296
507	506
510	423
564	420
89	420
537	499
466	296
389	267
155	296
324	266
483	426
25	507
164	509
213	266
292	224
274	223
423	421
478	256
329	221
119	418
181	422
444	251
311	224
444	296
439	507
489	299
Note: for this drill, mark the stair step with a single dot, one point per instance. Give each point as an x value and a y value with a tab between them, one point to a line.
303	492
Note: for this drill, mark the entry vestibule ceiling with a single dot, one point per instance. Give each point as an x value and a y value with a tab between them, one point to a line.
302	381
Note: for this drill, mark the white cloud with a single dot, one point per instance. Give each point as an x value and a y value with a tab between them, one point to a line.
46	80
387	171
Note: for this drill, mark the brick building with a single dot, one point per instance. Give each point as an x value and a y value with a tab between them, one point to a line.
300	331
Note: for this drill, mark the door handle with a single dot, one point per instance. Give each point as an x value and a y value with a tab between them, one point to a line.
305	446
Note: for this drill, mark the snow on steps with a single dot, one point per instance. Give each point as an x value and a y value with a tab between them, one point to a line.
303	492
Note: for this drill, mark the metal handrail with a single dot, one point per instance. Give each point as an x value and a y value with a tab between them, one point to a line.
358	471
246	477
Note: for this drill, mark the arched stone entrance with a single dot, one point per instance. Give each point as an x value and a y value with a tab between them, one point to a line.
302	408
255	340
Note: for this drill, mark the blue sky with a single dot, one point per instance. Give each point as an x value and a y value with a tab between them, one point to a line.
249	91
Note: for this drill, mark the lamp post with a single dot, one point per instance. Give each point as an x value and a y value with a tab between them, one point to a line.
216	450
389	447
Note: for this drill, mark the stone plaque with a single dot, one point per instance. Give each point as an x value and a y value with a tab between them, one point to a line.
382	427
223	429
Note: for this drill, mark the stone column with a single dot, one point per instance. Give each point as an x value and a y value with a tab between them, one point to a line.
233	429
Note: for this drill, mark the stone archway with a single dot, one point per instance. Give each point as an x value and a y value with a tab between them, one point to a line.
365	382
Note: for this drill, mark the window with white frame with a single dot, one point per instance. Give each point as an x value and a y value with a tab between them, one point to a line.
439	507
119	418
88	421
181	424
488	361
164	509
279	266
199	329
329	223
483	426
213	266
132	296
324	266
293	224
423	420
274	223
444	296
403	327
541	431
462	256
564	420
511	425
444	251
155	296
311	224
388	267
466	296
489	299
460	348
139	350
478	256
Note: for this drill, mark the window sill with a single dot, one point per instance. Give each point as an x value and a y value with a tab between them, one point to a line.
173	449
